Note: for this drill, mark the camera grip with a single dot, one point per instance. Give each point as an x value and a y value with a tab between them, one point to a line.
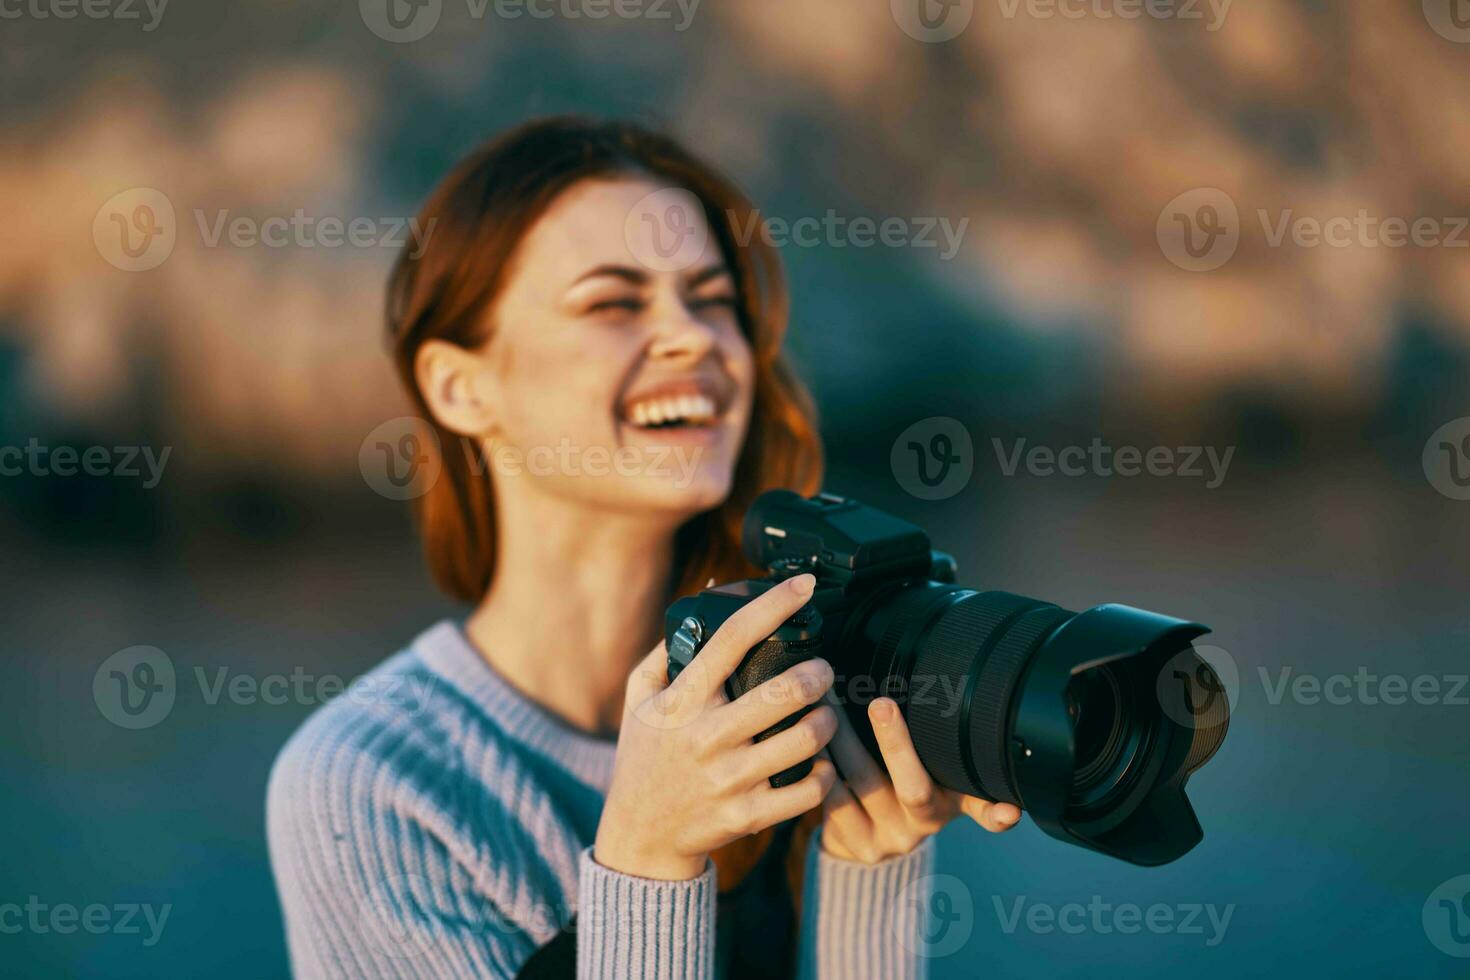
772	657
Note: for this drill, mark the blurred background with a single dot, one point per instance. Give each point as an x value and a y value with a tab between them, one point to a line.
1130	193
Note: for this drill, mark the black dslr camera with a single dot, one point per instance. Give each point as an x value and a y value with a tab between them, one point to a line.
1090	721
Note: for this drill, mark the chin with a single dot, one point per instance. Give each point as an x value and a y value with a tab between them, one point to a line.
685	495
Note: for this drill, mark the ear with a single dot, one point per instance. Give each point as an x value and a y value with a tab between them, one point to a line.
454	385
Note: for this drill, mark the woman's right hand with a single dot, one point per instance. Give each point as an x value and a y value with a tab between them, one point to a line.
688	778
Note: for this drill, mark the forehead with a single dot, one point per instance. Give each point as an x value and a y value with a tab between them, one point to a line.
614	221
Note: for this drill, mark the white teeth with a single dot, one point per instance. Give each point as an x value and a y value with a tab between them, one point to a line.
691	408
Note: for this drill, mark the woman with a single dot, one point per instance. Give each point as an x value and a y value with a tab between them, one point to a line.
597	351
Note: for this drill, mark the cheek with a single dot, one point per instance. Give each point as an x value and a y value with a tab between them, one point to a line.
740	362
560	391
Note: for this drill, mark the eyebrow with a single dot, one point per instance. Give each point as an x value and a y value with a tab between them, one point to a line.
638	277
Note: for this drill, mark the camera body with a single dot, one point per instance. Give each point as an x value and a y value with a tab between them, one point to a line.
1090	721
853	550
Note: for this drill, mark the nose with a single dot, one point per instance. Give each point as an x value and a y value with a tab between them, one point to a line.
679	335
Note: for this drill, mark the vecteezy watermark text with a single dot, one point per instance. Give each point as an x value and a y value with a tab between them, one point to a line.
839	231
1099	459
1200	230
301	230
401	460
1104	918
1180	10
406	21
1284	683
137	229
35	459
301	687
1365	687
86	9
1365	230
136	688
64	918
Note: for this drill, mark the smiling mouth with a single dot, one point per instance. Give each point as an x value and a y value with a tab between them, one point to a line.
672	409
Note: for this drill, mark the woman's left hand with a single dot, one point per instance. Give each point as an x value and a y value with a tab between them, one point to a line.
869	816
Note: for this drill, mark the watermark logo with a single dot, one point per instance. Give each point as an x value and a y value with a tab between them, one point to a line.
567	458
1363	687
1184	11
1206	463
938	916
405	21
666	231
1449	18
1363	230
406	694
1206	920
302	230
1446	459
933	458
401	21
135	230
1199	230
390	930
932	21
135	688
1197	685
65	918
675	705
128	462
122	10
400	458
839	231
1446	917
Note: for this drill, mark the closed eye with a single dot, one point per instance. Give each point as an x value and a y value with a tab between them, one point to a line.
629	304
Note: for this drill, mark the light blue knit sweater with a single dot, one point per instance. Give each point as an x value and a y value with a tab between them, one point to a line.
433	822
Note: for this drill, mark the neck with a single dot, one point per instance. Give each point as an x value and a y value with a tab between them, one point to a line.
576	601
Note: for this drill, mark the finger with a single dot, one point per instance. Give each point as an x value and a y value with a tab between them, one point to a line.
651	699
781	696
994	817
781	751
912	784
770	805
750	624
861	773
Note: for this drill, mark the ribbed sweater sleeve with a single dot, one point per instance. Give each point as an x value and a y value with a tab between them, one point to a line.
638	927
864	921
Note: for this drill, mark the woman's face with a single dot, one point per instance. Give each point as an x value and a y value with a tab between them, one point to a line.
617	384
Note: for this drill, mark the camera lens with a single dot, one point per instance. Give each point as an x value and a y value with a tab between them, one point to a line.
1111	736
961	655
1020	701
1094	704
